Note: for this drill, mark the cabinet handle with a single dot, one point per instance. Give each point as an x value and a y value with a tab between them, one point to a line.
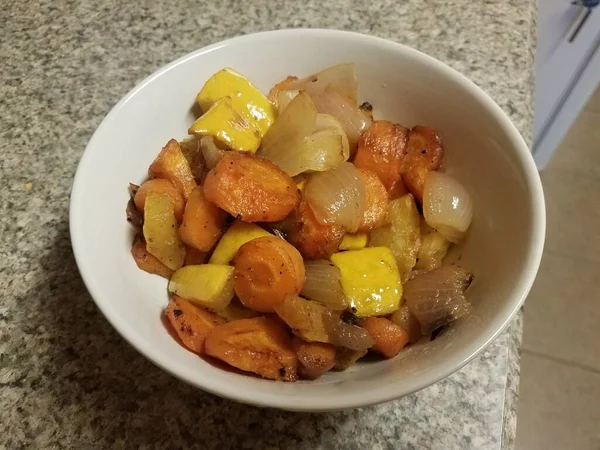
588	5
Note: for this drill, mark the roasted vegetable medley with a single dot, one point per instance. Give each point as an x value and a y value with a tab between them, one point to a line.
298	233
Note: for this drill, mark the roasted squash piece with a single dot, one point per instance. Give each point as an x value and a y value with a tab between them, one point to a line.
203	222
434	247
257	345
370	280
161	231
207	285
315	358
424	154
235	311
389	337
267	270
313	240
354	241
251	188
146	261
376	201
171	165
237	235
401	233
381	149
192	324
160	186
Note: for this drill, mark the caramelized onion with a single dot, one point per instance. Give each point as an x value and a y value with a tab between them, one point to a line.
322	284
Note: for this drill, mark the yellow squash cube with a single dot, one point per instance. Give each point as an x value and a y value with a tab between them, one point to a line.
354	241
370	280
207	285
238	234
246	99
225	124
161	231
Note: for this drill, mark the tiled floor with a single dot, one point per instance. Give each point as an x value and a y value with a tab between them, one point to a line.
559	400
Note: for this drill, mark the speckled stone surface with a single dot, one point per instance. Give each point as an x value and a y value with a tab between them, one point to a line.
67	379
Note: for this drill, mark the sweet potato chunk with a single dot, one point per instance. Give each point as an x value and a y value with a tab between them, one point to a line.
381	149
424	153
171	165
203	222
267	270
376	201
251	188
146	261
389	337
313	240
315	358
256	345
192	324
160	186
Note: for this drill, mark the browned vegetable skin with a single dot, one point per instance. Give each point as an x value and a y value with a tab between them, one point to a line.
389	337
191	323
281	86
194	257
315	358
257	345
160	186
203	222
251	188
191	150
267	270
424	154
134	216
171	165
313	240
344	357
146	261
376	202
381	149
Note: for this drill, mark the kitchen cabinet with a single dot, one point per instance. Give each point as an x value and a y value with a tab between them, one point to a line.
567	69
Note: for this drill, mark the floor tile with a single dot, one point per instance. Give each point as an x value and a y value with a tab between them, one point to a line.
558	406
573	215
594	102
562	312
585	131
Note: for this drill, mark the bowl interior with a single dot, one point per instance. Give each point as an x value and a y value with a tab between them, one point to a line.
482	149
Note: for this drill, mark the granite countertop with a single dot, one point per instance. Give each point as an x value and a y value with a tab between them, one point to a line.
67	379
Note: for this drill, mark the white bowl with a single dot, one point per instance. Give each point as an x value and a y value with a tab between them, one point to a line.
483	150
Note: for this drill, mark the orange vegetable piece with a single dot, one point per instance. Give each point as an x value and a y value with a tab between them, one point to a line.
194	257
146	261
424	154
267	270
191	323
313	240
376	203
203	222
251	188
381	149
389	338
315	358
172	165
257	345
160	186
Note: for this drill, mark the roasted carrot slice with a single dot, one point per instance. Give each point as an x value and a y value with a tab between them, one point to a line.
424	154
315	358
267	270
313	240
191	323
146	261
203	222
171	165
160	186
376	201
251	188
389	338
257	345
381	149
